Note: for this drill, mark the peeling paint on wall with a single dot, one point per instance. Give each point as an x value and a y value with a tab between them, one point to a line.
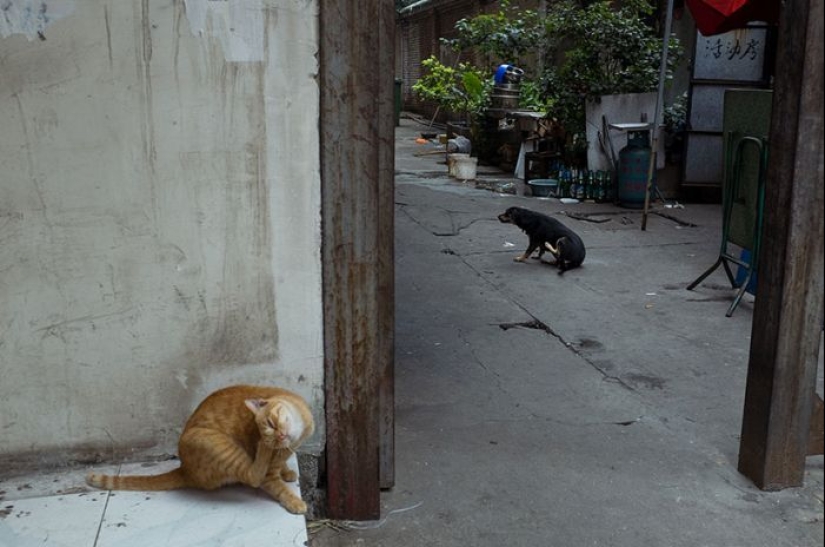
31	17
238	24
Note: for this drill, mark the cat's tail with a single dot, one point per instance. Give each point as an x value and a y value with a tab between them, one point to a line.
170	480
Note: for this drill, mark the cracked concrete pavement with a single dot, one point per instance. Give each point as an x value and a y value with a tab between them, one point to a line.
599	407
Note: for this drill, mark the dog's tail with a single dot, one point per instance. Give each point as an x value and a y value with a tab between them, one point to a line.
566	253
562	244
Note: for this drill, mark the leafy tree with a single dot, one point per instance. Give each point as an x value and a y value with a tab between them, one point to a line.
588	48
504	36
461	90
598	50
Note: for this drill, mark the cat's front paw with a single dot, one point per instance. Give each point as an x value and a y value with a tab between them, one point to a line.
294	505
289	475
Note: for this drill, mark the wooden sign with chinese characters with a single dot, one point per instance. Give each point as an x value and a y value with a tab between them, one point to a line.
738	55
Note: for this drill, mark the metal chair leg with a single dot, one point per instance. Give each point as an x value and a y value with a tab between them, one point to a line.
740	293
704	275
728	271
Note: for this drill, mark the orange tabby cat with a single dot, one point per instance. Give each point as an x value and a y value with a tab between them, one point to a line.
239	434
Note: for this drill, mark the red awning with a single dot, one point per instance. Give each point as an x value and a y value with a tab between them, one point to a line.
718	16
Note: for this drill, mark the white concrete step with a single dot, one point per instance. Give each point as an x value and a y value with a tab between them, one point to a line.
59	510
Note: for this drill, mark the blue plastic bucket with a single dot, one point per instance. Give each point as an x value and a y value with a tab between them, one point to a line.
544	188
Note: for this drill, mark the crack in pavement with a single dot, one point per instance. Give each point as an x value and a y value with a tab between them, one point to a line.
534	323
456	229
538	324
595	216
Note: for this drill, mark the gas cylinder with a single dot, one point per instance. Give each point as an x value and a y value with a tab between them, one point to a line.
634	161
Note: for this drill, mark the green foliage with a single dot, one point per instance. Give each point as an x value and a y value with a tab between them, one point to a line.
533	98
463	89
600	50
504	36
588	48
675	114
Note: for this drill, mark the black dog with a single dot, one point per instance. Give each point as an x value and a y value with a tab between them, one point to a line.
546	233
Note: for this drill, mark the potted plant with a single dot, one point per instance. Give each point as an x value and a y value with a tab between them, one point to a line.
462	91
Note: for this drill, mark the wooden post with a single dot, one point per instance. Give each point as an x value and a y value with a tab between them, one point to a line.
386	246
357	125
787	321
816	435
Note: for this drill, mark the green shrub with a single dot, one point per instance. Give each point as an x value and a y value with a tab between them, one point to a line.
461	90
588	49
598	50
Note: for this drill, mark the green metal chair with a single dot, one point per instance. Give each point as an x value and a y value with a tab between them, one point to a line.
742	210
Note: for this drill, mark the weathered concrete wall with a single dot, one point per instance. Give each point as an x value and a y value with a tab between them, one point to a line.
159	216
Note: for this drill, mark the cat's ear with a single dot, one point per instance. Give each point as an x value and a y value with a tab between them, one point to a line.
255	405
